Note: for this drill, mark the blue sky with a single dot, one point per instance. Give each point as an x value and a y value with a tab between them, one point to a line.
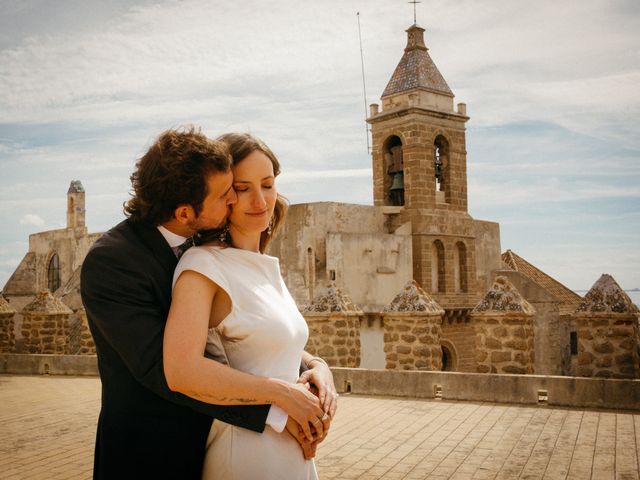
552	89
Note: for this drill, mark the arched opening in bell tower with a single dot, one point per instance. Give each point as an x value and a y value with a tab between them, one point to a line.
394	168
437	267
441	167
460	267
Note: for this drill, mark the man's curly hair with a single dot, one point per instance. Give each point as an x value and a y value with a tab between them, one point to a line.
174	172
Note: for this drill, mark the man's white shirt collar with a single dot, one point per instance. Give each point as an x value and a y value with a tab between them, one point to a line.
173	239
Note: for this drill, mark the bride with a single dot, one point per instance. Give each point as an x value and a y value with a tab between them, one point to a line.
229	299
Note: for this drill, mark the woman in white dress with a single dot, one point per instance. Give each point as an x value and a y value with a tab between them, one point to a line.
231	297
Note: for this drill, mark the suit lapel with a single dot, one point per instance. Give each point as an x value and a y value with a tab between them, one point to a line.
153	239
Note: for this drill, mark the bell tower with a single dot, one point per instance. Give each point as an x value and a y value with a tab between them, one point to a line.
76	208
420	172
418	137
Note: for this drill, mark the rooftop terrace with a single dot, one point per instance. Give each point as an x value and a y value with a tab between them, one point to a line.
48	425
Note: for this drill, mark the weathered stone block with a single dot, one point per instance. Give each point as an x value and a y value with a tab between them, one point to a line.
603	347
328	329
628	343
500	357
585	358
500	331
624	359
493	343
403	349
520	345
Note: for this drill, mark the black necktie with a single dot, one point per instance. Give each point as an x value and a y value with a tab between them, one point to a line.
180	249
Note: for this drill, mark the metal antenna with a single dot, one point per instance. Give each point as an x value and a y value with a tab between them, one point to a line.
364	86
414	10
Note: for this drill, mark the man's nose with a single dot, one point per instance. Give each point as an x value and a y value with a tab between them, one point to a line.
232	197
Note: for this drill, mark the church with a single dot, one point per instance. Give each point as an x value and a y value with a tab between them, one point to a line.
485	305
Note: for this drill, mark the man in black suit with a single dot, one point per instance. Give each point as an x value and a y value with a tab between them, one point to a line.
181	185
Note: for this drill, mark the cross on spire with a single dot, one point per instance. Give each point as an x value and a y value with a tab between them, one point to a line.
414	10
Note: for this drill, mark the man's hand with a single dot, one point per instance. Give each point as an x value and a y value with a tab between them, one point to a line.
308	448
321	377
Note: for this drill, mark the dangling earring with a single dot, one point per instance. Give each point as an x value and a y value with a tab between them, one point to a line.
223	237
270	227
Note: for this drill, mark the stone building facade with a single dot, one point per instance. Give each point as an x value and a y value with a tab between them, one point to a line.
419	227
53	259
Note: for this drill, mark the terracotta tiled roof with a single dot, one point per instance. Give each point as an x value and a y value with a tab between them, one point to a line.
569	300
416	69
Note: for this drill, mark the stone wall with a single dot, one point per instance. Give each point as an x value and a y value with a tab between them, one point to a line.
7	337
459	337
45	325
607	329
412	331
334	328
503	323
86	343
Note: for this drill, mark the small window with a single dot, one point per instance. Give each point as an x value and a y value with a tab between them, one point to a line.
573	341
53	273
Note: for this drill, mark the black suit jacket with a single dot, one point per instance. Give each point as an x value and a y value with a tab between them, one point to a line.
145	430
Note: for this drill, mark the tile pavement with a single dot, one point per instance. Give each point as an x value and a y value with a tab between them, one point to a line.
47	429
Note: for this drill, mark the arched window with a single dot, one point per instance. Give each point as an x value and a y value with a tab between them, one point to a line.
437	267
53	273
461	267
394	169
441	163
449	357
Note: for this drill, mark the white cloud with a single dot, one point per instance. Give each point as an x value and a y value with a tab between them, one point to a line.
33	220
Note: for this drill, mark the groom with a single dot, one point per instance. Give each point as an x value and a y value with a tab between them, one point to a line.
145	430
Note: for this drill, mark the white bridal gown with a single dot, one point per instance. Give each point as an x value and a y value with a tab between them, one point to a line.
265	335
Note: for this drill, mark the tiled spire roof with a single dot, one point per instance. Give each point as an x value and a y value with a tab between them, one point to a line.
503	297
413	298
606	296
416	69
46	303
332	299
75	187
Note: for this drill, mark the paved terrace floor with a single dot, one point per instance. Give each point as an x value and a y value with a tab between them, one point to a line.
47	427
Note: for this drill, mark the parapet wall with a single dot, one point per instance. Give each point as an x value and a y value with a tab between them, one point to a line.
498	388
475	387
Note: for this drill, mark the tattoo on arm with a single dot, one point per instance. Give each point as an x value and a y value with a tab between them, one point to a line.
214	399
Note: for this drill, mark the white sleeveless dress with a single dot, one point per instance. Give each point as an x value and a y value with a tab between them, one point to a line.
265	335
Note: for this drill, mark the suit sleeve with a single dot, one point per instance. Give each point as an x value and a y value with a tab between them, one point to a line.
121	307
